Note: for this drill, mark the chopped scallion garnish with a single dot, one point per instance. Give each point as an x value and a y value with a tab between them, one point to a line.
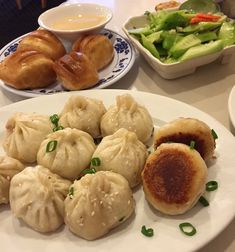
147	231
192	145
215	136
203	201
89	171
95	161
71	192
51	146
60	127
211	185
54	119
187	228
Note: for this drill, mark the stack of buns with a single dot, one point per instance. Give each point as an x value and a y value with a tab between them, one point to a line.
41	58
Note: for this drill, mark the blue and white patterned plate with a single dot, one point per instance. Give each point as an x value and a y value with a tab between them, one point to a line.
124	57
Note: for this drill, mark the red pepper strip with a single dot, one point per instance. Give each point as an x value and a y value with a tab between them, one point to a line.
208	16
196	20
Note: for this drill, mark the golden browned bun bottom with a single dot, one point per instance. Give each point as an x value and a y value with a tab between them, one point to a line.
185	130
27	70
174	178
76	71
97	48
43	41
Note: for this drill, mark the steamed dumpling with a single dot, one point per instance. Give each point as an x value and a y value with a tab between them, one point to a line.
37	197
84	114
128	114
123	153
72	152
25	132
8	168
97	203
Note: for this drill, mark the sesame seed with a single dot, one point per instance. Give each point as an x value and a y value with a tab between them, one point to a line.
104	224
81	224
128	202
19	184
101	202
8	178
92	213
116	193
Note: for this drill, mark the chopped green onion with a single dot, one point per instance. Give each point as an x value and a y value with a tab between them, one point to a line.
60	127
215	136
51	146
192	145
185	226
71	192
203	201
147	231
54	119
211	185
95	161
89	171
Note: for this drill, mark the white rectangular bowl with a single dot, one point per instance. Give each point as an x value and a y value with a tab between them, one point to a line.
174	70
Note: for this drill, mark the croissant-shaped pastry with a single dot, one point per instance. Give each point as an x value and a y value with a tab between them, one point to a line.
76	71
27	70
98	48
43	41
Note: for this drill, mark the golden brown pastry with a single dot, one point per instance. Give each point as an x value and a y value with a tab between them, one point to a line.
174	178
43	41
76	71
185	130
27	70
98	49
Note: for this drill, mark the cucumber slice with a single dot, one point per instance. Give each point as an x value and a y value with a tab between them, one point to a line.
138	31
202	50
155	37
183	45
202	26
227	34
207	36
149	46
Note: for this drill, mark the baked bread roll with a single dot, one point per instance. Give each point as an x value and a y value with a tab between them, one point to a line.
43	41
174	178
98	203
24	134
127	114
27	70
98	48
37	197
72	152
122	153
8	168
185	130
76	71
83	113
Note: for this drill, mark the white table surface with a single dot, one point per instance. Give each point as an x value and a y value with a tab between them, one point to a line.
207	89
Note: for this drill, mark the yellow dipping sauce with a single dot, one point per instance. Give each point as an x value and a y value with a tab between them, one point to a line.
78	22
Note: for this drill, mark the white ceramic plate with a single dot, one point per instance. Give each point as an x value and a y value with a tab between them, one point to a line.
124	57
209	221
231	106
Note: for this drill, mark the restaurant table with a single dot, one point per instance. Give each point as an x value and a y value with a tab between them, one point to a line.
207	89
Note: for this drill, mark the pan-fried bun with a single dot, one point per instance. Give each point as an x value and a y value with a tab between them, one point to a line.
174	178
43	41
76	71
185	130
97	48
27	70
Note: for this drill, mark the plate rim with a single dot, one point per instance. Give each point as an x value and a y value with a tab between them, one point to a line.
140	93
28	94
231	110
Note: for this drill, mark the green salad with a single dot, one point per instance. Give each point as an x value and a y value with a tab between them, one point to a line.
176	36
